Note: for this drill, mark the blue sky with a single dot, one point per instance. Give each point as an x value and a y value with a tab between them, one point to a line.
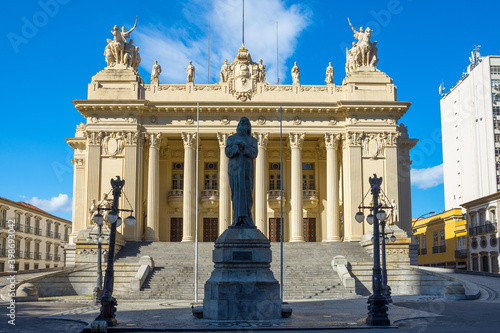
52	48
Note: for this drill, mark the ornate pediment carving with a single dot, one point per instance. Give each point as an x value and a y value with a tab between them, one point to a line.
243	75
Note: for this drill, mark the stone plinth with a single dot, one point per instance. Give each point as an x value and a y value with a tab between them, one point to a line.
242	285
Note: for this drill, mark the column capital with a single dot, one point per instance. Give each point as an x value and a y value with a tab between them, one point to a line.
331	140
95	137
131	138
352	139
189	139
296	140
222	137
262	139
154	140
391	138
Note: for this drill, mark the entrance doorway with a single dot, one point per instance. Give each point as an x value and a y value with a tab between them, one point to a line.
485	264
210	229
176	229
309	229
274	230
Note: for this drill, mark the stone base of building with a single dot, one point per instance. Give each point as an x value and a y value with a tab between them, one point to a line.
242	285
86	253
400	252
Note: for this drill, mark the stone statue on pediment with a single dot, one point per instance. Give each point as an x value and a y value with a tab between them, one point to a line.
224	71
363	53
155	73
295	73
121	51
261	77
190	72
329	73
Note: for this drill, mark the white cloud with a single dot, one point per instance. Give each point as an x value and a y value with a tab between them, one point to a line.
174	47
427	178
61	203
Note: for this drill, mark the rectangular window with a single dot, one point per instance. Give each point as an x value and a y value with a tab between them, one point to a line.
177	176
417	240
308	182
495	69
424	241
435	238
210	178
274	176
441	237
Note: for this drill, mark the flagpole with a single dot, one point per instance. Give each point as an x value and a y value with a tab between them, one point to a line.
196	220
281	203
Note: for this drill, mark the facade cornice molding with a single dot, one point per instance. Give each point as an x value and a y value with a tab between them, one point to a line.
38	214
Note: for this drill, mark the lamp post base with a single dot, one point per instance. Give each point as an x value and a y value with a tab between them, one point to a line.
377	311
108	310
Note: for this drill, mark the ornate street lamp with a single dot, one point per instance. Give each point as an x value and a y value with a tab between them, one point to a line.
108	302
98	238
377	302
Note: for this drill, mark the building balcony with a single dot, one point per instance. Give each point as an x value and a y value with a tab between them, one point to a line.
274	199
38	231
3	253
439	249
423	250
460	254
19	227
66	238
38	255
482	229
50	234
48	256
175	198
210	199
58	235
28	255
309	199
18	254
57	257
28	229
3	223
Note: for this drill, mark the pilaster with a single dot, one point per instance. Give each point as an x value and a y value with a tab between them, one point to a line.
260	183
296	223
189	195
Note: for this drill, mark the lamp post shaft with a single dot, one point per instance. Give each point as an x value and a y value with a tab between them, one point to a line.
99	261
377	308
384	266
108	302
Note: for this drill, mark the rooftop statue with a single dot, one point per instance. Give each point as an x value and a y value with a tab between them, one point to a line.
295	73
224	71
155	73
121	51
241	149
190	72
329	73
363	53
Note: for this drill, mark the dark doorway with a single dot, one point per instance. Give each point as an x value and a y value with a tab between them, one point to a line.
176	229
485	261
274	230
309	229
210	229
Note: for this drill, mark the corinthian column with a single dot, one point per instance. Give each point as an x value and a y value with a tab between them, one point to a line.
189	195
332	188
296	140
153	217
224	190
260	183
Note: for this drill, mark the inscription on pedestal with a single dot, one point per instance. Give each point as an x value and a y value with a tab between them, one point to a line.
242	255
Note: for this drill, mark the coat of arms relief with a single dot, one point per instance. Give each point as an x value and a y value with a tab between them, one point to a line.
243	75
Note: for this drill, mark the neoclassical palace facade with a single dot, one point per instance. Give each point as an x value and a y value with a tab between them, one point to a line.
334	137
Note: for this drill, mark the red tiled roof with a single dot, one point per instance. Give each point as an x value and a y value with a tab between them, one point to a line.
30	206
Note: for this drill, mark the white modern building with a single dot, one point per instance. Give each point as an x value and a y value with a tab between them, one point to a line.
38	237
470	120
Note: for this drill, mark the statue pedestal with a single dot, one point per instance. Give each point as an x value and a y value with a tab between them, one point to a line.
242	285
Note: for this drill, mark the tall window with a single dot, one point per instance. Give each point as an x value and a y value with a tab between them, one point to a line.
308	176
424	242
417	240
3	215
37	226
211	176
274	176
493	217
435	238
17	219
49	232
482	218
441	237
177	176
27	223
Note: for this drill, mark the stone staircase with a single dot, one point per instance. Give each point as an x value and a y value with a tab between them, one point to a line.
307	270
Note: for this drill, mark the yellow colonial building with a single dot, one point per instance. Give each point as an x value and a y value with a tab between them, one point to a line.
334	137
442	240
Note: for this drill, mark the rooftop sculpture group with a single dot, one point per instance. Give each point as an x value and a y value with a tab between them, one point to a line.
120	50
363	53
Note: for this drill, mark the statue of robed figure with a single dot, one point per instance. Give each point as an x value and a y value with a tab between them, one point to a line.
241	149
